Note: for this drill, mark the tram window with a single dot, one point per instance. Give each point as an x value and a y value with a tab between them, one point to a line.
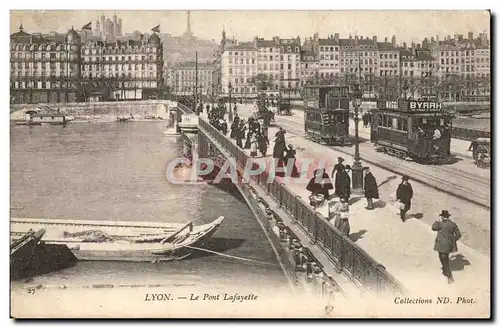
404	124
394	123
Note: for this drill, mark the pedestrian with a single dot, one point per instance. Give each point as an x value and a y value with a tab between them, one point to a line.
404	194
339	167
343	183
248	140
446	241
371	188
234	127
240	134
342	217
253	145
290	158
320	184
262	142
279	145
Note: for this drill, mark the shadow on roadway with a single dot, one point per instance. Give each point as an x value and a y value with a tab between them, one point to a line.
458	262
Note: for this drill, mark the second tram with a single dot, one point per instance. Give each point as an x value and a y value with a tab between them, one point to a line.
326	113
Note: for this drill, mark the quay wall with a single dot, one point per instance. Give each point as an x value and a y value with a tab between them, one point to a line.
97	109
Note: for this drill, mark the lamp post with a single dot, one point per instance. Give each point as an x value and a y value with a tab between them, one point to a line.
357	168
230	113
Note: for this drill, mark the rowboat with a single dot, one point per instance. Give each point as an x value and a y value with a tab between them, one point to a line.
121	241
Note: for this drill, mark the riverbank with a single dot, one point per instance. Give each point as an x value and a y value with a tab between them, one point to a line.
99	110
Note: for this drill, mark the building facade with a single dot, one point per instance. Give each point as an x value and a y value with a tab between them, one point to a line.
269	61
184	79
129	70
290	65
238	67
42	70
309	68
329	58
48	70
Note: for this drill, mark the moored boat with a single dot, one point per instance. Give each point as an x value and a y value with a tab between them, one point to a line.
22	250
122	241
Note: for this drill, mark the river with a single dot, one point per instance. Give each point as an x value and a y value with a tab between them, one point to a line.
116	171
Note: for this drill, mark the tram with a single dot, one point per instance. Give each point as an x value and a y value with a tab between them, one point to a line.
326	113
420	130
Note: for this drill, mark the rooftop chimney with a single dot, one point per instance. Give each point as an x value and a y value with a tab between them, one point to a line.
374	38
385	39
405	46
356	38
336	37
471	36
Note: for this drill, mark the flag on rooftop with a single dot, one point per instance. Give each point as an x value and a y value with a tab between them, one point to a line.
156	29
87	26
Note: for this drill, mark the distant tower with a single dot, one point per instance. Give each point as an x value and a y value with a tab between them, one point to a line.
188	33
223	41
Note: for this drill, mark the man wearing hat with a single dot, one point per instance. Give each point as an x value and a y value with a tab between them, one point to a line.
371	188
404	194
446	241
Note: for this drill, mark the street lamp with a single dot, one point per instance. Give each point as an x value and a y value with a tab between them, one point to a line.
230	113
357	168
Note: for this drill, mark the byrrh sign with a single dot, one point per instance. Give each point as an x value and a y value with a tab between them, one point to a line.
424	105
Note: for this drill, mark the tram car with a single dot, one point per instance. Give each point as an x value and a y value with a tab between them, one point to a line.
420	130
326	113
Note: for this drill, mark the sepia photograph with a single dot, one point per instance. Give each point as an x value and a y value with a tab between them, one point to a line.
324	164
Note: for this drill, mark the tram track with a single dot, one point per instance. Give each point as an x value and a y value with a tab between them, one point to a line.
461	184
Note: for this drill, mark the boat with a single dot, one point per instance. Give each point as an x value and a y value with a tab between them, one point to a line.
22	251
122	119
122	241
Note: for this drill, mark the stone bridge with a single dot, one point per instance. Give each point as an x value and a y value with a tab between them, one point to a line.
314	255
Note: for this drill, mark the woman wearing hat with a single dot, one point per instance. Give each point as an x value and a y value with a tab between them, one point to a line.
342	217
343	183
371	188
290	156
339	167
446	241
404	194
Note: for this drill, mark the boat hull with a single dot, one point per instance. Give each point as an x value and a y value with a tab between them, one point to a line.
125	251
22	252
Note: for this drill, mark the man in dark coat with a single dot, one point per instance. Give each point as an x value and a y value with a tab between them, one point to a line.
279	145
240	133
446	241
371	188
262	142
343	183
320	183
404	194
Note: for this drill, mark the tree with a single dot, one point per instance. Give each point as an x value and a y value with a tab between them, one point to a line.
262	81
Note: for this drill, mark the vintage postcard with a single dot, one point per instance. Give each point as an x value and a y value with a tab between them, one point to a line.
250	164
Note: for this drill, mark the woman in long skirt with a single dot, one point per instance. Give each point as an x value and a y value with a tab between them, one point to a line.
253	145
342	218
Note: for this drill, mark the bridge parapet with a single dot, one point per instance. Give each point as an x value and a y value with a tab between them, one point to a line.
349	259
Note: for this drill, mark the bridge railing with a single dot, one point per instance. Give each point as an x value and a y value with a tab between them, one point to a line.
344	253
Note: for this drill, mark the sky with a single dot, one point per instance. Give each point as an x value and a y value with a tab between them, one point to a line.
244	25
